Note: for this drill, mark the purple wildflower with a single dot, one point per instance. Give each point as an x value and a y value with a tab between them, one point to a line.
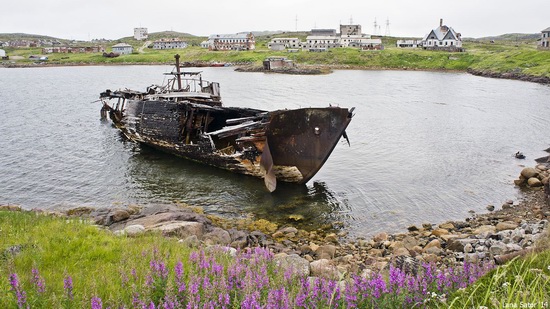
96	303
168	303
159	269
136	302
178	269
397	279
19	293
300	300
278	298
251	301
194	257
442	281
38	281
149	280
68	286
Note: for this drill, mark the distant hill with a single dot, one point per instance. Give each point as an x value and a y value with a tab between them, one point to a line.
169	34
512	37
25	36
266	33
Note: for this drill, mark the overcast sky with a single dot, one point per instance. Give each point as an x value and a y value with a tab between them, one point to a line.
113	19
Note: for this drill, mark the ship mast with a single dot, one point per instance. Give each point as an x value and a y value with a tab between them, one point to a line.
177	56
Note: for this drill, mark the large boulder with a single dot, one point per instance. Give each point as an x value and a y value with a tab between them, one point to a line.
455	245
534	182
299	265
324	268
506	225
180	229
439	232
134	230
326	252
120	215
498	249
484	229
529	172
218	236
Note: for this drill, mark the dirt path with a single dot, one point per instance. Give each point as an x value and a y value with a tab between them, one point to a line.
140	50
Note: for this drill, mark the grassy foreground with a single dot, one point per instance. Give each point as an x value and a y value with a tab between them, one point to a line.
48	262
499	57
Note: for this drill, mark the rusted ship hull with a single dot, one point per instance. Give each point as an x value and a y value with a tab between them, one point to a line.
282	145
298	141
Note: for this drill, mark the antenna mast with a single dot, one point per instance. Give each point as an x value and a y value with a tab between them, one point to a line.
387	27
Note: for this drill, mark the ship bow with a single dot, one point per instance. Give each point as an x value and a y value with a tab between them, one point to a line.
305	138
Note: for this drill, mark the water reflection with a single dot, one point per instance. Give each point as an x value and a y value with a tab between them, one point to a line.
164	178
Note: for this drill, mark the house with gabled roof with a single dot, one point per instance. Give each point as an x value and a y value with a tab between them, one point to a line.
443	38
123	49
545	39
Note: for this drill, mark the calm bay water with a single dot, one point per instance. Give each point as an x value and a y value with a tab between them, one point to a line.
425	146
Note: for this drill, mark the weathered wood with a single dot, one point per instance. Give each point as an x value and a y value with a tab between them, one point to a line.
233	130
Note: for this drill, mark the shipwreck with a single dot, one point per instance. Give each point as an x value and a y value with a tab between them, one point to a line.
185	117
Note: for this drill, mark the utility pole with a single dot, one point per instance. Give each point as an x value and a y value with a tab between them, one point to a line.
387	27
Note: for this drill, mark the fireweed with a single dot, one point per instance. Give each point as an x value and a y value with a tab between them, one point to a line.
251	279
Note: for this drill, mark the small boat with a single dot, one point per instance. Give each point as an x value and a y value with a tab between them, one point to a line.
185	117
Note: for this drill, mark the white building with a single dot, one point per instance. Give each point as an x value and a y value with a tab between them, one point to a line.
283	43
351	39
408	43
545	39
368	44
2	53
123	49
444	38
238	41
321	43
140	34
169	44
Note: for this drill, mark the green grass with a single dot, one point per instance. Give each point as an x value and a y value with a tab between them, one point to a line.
95	259
501	57
521	283
115	268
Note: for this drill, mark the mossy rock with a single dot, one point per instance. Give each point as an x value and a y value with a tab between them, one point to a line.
296	217
263	226
79	211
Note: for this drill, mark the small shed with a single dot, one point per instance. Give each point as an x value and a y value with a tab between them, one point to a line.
274	63
123	49
2	54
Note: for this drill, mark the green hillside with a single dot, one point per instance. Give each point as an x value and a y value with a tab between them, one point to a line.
502	56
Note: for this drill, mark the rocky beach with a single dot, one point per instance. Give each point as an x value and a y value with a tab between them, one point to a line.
502	233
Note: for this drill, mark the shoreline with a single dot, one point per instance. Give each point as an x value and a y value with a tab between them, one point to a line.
495	236
322	68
